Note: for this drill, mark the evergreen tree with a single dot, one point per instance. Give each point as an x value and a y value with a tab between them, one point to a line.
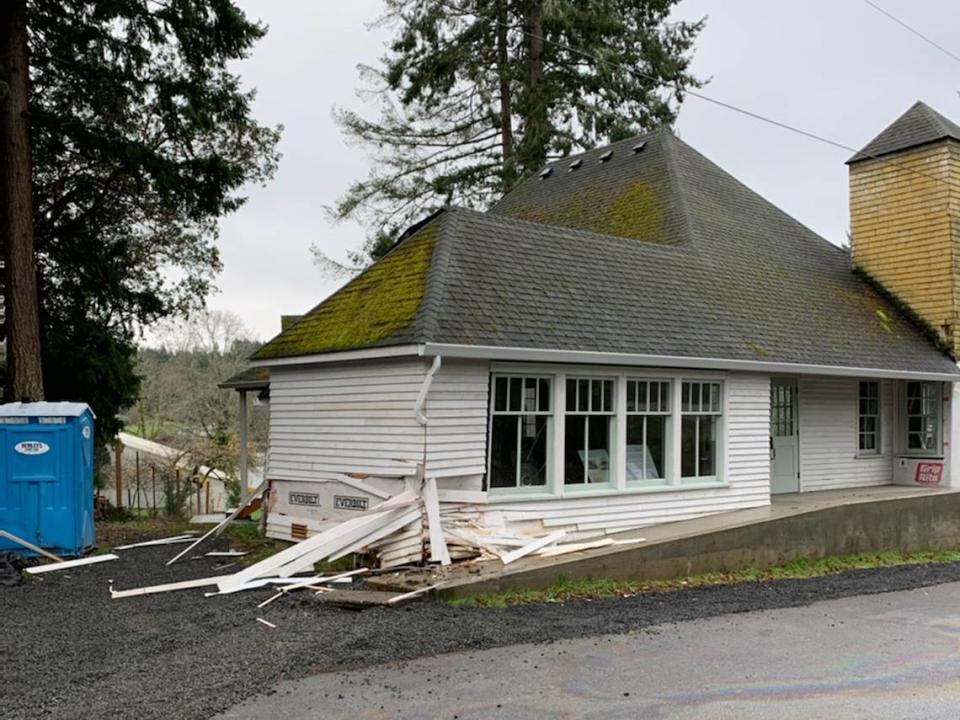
142	138
475	94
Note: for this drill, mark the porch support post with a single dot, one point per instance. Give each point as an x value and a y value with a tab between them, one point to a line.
244	487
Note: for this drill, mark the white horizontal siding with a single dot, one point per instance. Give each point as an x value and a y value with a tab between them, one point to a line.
356	418
457	435
828	435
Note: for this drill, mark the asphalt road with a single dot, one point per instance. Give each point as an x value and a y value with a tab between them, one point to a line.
892	655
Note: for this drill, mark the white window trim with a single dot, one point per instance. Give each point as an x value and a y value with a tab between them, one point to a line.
881	450
521	490
555	488
720	461
668	479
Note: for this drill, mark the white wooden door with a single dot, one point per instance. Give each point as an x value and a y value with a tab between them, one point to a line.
784	437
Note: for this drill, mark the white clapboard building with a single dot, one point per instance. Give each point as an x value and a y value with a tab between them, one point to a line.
631	337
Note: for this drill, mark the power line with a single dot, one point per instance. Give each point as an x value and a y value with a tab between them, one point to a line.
734	108
919	34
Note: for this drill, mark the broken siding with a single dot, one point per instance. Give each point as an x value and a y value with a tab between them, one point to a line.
747	477
356	418
457	430
828	435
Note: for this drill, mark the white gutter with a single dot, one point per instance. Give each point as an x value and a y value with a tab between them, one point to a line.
424	389
343	356
491	352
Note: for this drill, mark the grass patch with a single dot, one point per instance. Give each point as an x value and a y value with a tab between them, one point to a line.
591	588
111	533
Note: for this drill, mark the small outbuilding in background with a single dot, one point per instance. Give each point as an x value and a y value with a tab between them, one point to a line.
46	475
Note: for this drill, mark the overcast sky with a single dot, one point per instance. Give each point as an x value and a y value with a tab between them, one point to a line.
836	68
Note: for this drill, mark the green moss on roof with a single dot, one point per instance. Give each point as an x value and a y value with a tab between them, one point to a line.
636	212
373	307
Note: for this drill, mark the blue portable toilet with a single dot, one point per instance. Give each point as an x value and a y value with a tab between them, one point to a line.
46	476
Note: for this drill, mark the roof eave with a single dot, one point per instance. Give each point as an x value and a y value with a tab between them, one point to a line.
374	353
490	352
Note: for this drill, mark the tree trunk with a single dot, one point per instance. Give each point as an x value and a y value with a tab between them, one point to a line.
536	122
24	376
506	102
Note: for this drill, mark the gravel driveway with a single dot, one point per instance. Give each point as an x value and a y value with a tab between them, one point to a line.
67	650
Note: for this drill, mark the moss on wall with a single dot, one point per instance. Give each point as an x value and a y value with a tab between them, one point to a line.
381	302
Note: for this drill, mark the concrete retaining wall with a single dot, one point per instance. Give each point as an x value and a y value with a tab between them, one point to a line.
925	522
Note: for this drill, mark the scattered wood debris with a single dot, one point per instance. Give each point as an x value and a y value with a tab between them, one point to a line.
267	623
29	545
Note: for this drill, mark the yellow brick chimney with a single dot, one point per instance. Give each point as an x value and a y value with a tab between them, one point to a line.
904	213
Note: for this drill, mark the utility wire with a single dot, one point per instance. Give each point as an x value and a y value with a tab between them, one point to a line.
919	34
731	107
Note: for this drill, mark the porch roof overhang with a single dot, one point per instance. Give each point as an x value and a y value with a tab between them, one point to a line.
583	357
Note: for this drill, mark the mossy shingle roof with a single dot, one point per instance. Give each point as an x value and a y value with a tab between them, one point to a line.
920	125
655	251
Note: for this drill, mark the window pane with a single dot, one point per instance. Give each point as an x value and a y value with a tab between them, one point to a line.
516	394
695	397
645	463
583	395
596	400
715	397
653	400
685	397
607	395
500	394
533	450
574	452
544	395
708	446
530	394
664	397
598	452
688	447
503	451
571	395
632	395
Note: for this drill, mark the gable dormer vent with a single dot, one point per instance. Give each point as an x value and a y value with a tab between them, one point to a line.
606	156
639	147
575	164
545	173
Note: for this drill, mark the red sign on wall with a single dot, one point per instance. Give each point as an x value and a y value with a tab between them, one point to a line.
929	473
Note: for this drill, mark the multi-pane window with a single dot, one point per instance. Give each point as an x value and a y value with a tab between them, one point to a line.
700	414
648	431
589	428
921	412
781	410
519	431
868	417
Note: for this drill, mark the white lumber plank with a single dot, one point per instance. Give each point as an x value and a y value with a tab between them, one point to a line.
216	530
408	518
438	546
67	564
226	553
168	587
29	545
267	623
412	594
310	582
161	541
295	552
471	497
533	546
375	527
573	547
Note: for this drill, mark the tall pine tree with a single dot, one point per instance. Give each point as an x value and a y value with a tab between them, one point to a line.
142	139
475	94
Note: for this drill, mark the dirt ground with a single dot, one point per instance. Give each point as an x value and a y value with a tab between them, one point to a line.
69	651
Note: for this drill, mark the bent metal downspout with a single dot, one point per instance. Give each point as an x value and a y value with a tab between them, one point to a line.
424	389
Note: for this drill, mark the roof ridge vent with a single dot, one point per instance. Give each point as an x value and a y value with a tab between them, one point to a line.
575	164
546	172
606	156
639	147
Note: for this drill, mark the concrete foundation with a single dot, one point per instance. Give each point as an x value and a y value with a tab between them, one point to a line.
809	525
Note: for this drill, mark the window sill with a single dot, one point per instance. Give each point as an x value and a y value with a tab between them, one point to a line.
878	456
606	491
